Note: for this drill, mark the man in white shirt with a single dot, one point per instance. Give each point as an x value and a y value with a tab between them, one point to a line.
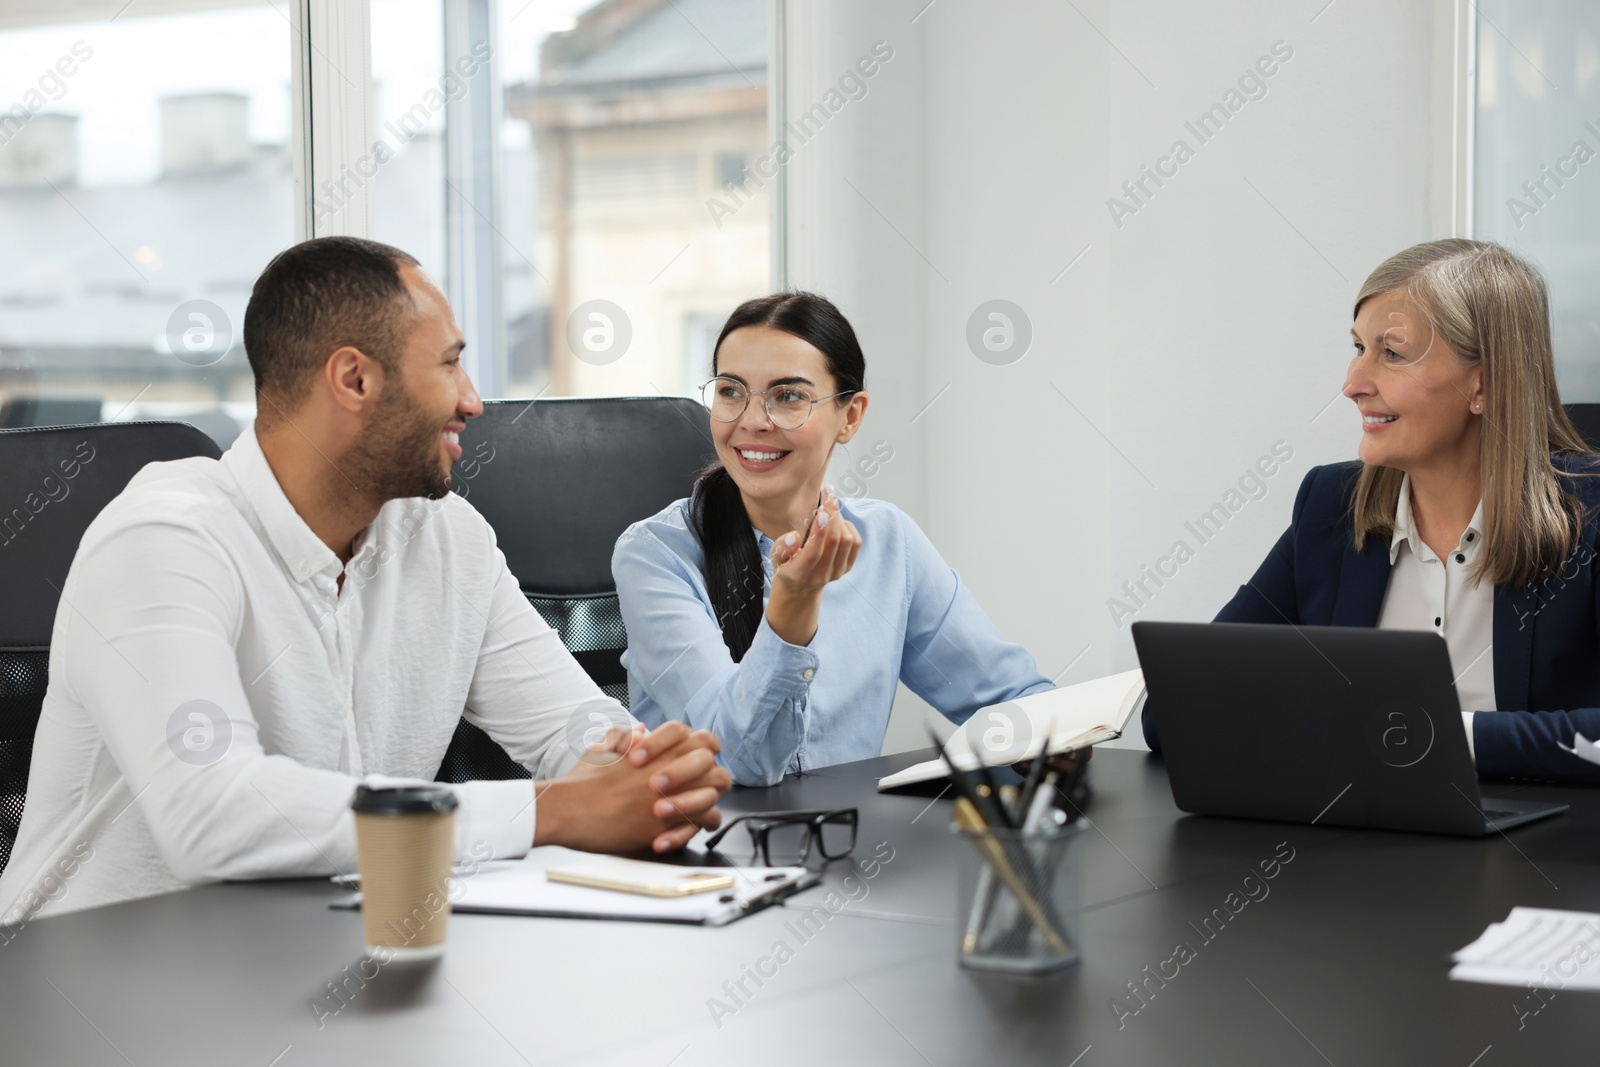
239	642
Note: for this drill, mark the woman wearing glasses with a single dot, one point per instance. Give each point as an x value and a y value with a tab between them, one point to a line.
1472	511
769	611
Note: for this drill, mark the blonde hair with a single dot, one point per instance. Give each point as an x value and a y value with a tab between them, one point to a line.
1491	307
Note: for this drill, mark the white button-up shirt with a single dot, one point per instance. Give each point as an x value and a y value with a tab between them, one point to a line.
215	695
1429	593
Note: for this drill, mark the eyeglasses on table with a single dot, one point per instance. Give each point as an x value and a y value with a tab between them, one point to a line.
787	837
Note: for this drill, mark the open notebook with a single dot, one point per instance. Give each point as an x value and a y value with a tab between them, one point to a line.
1082	714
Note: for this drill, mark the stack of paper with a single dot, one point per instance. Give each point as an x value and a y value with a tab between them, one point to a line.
1535	946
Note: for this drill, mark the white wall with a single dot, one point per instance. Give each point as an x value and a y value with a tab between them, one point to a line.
1188	342
841	246
1232	289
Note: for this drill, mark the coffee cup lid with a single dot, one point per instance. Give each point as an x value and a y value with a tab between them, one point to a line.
404	800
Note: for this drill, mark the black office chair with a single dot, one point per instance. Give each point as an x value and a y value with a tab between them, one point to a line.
559	480
1586	417
53	482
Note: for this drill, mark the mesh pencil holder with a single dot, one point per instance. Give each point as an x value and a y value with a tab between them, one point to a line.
1019	899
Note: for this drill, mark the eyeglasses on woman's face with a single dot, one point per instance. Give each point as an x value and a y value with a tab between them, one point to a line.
788	406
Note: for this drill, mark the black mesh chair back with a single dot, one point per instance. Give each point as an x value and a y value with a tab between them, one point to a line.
559	480
53	482
1586	417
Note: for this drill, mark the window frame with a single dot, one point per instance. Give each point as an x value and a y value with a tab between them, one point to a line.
333	105
1463	118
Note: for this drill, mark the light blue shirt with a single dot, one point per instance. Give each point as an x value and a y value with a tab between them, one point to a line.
900	614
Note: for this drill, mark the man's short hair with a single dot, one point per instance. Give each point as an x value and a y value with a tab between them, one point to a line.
319	296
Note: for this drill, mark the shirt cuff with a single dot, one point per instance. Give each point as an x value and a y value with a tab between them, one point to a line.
1466	718
495	820
789	668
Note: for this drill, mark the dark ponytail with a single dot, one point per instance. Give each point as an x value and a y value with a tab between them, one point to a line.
734	571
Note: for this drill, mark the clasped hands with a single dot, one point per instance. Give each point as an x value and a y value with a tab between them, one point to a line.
635	790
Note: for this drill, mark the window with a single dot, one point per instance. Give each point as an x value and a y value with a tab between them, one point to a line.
572	172
594	212
1536	179
409	99
700	330
145	180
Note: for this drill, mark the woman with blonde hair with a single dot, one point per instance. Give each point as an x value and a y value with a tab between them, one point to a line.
1471	511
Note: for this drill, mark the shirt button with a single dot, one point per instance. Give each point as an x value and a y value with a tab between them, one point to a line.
1460	558
1470	536
807	674
303	570
1438	622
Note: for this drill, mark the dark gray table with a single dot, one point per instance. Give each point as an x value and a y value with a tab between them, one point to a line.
1344	961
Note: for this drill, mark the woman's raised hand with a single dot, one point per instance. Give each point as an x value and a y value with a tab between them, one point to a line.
825	552
804	564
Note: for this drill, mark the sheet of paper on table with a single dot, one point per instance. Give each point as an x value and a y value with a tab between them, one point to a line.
1543	947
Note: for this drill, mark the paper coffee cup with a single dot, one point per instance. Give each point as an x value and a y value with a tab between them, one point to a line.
405	840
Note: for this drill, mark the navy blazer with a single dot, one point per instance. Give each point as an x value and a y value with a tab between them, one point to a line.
1546	635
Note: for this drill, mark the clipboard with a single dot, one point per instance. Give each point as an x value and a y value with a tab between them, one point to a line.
522	888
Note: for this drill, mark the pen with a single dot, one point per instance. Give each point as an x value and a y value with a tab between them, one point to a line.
822	502
1068	785
983	896
1043	801
981	795
1035	773
1029	810
1034	820
767	896
986	888
1011	797
988	788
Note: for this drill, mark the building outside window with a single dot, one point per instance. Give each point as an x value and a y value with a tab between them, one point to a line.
145	180
637	114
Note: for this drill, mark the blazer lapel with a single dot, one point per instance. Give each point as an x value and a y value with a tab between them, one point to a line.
1514	618
1362	581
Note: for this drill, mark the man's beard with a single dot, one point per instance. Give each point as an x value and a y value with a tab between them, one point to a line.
398	456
